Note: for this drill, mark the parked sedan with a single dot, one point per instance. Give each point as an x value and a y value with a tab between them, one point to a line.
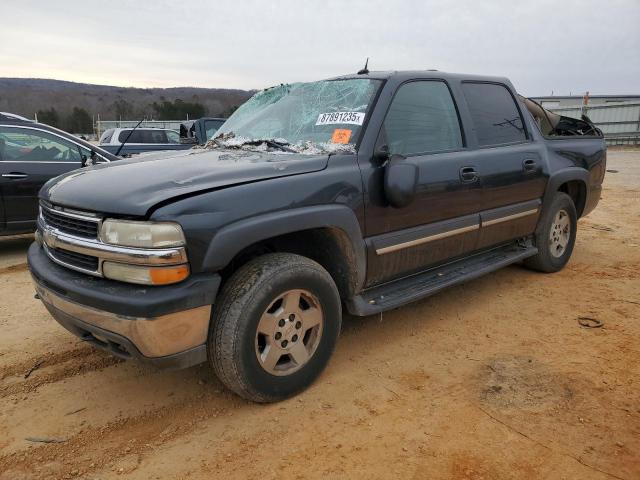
30	154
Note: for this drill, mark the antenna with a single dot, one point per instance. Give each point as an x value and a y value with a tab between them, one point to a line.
365	70
128	136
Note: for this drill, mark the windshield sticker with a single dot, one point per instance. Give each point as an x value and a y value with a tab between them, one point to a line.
355	118
341	135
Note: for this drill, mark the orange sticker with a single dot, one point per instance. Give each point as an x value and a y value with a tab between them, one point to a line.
341	135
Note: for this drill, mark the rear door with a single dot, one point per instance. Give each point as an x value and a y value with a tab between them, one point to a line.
28	158
509	163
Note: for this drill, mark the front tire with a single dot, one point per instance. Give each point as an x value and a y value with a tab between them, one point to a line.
274	327
556	235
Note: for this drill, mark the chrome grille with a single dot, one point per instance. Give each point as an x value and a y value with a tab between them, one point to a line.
71	223
71	239
74	259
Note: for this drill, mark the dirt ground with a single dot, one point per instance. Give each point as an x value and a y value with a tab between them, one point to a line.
494	379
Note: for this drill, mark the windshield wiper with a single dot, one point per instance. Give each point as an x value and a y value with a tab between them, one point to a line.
280	145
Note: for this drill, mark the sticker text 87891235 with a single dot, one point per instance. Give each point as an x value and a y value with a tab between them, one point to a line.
355	118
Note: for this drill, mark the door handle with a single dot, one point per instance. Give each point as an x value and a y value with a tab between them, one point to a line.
14	175
468	174
529	165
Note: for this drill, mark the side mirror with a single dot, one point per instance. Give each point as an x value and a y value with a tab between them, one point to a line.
382	154
400	181
89	161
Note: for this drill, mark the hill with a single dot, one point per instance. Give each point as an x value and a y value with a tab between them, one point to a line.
65	102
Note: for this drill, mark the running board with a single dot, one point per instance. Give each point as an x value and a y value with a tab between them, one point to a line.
408	289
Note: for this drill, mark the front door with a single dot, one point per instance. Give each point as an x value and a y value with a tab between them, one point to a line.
442	222
28	158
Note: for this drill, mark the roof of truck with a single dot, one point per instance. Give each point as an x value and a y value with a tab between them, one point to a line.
403	75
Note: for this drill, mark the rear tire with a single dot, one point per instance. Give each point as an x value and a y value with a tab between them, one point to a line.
556	235
274	327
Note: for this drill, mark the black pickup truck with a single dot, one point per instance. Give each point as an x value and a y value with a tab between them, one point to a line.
366	191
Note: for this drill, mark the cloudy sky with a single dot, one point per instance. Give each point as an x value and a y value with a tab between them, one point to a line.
543	46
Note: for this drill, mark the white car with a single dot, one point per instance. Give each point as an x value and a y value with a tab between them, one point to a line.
140	140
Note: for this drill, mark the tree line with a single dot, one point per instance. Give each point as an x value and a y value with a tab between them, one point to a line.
78	120
70	105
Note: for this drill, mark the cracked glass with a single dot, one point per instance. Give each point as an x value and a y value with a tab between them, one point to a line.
315	117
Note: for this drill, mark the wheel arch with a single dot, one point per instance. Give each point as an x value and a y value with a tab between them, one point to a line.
330	235
573	182
577	190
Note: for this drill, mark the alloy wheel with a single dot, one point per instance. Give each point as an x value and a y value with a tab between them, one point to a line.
289	332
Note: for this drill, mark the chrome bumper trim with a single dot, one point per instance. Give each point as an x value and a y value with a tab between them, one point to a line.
153	337
53	238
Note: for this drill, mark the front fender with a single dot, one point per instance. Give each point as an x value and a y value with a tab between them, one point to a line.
233	238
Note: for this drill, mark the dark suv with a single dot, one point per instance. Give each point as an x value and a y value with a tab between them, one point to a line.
366	191
31	154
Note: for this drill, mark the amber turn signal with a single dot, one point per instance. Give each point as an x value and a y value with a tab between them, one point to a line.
145	275
167	275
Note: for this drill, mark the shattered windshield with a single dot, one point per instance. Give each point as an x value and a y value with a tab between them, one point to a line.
316	117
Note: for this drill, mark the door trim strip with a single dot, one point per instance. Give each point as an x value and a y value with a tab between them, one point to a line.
429	238
488	223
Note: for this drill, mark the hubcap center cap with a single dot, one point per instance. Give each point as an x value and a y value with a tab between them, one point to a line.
288	331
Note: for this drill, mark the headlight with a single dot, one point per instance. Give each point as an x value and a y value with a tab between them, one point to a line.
142	234
145	275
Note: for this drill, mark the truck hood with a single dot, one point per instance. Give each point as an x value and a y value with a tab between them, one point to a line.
132	187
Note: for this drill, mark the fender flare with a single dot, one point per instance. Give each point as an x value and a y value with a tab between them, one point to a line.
563	176
233	238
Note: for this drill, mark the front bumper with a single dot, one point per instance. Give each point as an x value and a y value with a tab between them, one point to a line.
166	326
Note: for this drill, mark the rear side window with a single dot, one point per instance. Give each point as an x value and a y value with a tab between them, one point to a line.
422	118
495	115
143	136
156	136
106	136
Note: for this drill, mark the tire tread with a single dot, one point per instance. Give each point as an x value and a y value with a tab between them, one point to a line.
239	291
542	261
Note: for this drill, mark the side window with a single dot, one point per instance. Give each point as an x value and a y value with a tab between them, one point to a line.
422	118
26	145
137	136
173	137
211	127
106	136
156	136
122	136
494	113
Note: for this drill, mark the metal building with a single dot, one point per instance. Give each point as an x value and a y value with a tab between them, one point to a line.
559	101
618	116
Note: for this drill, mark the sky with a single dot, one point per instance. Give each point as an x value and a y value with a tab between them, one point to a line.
559	46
